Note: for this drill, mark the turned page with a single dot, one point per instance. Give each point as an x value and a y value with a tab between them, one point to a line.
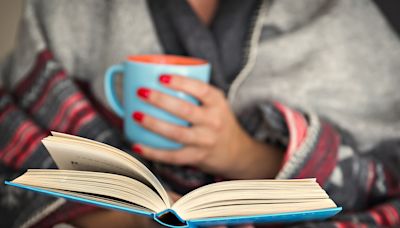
110	188
76	153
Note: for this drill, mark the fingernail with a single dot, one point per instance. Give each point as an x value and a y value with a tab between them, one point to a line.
143	93
137	149
165	78
138	116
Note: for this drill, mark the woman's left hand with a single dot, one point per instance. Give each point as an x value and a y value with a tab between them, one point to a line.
215	143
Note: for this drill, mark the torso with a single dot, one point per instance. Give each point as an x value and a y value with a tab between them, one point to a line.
334	65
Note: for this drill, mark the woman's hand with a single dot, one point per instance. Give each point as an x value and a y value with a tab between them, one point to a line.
215	143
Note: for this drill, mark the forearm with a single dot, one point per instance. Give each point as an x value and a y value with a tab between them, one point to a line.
256	160
108	218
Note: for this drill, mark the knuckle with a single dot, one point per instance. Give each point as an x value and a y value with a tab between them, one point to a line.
178	80
204	89
217	93
153	155
159	98
194	161
179	134
209	141
170	159
217	124
148	121
187	110
182	160
199	158
161	156
182	157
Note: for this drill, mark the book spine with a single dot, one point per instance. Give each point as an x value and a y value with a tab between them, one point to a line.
170	218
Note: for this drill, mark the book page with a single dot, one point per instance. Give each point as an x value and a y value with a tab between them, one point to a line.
231	189
105	185
252	197
101	199
76	153
256	209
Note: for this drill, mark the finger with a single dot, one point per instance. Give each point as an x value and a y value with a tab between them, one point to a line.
185	156
178	107
174	132
204	92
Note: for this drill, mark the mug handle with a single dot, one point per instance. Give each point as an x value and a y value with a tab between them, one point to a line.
110	91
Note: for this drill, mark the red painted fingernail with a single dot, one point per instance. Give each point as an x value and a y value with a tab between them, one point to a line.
137	149
143	93
165	78
138	116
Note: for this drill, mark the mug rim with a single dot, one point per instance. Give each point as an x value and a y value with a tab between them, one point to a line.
161	59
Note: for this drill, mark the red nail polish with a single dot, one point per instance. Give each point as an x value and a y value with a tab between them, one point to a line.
143	93
137	149
165	78
138	116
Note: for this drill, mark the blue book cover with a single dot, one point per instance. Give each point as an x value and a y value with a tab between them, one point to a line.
169	218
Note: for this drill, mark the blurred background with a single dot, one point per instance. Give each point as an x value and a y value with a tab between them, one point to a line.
10	12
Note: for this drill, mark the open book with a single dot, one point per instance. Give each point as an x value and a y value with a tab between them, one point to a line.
95	173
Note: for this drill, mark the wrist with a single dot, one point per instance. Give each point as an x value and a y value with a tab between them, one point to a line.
108	218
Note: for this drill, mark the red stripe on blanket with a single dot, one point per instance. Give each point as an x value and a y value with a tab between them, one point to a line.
25	139
376	217
325	169
371	177
66	214
71	112
393	214
6	111
297	126
30	146
40	63
348	225
328	164
383	214
389	214
45	93
16	138
316	156
82	121
110	116
31	129
392	183
62	111
78	113
323	157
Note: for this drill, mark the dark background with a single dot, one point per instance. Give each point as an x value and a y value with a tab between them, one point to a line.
391	8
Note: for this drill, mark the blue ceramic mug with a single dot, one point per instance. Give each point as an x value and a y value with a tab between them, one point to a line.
144	71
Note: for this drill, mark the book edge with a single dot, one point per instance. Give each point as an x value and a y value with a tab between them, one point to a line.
79	199
270	218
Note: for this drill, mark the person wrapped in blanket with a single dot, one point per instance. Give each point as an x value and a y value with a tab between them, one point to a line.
305	88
